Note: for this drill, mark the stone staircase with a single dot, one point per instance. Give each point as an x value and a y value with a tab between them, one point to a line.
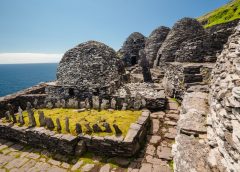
195	79
192	74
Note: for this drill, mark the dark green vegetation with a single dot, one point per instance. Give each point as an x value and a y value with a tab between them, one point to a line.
224	14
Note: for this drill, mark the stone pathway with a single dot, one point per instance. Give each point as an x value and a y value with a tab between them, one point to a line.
154	157
157	156
15	157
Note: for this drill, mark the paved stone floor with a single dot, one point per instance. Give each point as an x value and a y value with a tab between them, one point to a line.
154	157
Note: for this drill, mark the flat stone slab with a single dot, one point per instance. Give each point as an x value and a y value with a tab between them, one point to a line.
87	167
155	139
105	168
188	149
192	122
146	167
164	153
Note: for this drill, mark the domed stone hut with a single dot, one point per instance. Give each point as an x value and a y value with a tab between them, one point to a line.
89	65
184	29
89	69
129	52
154	42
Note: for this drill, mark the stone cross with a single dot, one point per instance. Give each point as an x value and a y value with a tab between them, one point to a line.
49	123
11	111
8	116
117	130
32	121
41	118
20	117
78	128
107	127
59	127
67	124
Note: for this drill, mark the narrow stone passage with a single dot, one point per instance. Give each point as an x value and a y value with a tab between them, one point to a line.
157	154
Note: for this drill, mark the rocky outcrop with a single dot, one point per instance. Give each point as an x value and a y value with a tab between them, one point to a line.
184	29
89	65
224	116
129	52
154	42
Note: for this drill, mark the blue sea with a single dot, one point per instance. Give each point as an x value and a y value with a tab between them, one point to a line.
15	77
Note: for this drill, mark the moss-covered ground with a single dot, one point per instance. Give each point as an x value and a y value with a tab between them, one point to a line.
224	14
122	118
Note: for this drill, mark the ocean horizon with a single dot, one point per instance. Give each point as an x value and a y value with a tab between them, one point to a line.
15	77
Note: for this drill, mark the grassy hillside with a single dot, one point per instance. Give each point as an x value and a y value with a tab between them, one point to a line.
224	14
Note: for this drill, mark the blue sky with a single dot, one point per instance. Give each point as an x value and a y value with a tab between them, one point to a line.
54	26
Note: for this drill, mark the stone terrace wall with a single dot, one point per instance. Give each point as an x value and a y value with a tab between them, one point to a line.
224	117
68	144
122	98
33	94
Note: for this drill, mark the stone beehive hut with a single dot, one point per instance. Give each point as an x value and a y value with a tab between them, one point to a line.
154	42
184	29
131	47
88	65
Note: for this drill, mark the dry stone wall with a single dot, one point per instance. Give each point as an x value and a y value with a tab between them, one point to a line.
224	117
35	94
68	144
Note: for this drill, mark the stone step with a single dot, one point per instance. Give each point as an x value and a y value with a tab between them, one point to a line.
191	78
192	69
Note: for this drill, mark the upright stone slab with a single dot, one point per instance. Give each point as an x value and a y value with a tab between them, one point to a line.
147	77
96	128
11	111
67	125
107	127
59	127
32	121
8	116
78	128
118	132
41	118
89	129
20	117
49	123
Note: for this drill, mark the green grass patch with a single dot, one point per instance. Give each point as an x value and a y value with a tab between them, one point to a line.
122	118
177	101
224	14
171	164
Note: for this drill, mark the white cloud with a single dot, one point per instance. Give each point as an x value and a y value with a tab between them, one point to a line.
15	58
